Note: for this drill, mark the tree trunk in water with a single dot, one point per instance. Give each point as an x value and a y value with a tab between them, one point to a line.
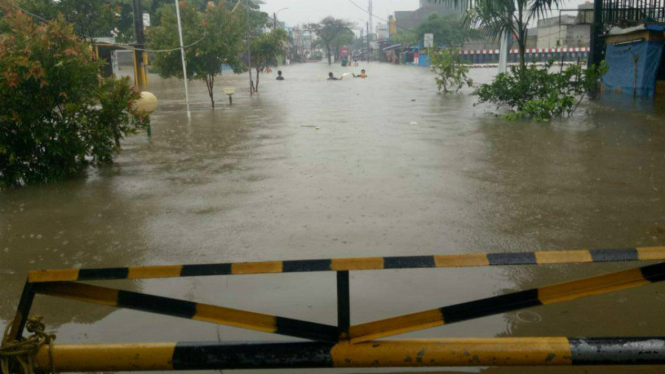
522	51
329	55
258	73
210	83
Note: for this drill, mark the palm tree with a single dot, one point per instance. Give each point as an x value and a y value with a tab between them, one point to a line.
496	17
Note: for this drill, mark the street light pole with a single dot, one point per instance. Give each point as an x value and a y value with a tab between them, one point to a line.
249	52
140	56
182	55
274	22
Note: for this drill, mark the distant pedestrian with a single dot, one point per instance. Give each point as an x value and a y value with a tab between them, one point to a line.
279	75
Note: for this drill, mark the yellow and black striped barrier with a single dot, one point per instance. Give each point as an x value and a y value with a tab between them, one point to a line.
189	310
347	345
510	302
553	351
354	264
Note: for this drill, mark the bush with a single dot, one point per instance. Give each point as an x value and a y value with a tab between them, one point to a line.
451	70
57	114
539	94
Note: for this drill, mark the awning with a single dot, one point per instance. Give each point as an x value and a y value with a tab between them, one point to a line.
394	46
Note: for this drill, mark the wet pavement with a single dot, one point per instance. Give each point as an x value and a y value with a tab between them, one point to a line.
377	167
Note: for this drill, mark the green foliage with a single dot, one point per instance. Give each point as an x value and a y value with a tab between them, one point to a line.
57	116
540	94
327	30
448	31
125	25
345	38
91	18
495	17
220	37
450	69
405	37
265	50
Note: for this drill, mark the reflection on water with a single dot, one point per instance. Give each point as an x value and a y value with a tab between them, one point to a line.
393	169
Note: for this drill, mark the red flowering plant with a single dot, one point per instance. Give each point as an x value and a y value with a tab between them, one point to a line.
57	115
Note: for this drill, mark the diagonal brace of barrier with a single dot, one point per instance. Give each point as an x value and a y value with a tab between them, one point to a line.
189	310
510	302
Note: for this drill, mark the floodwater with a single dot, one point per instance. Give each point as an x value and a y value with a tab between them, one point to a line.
378	167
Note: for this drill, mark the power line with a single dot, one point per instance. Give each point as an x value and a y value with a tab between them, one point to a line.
381	19
126	46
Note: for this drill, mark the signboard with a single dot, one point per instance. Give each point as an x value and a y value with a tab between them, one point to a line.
429	40
146	20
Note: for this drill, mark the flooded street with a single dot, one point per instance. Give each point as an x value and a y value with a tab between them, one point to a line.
383	166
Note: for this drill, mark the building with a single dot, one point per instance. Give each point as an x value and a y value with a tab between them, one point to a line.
553	31
566	30
585	13
382	31
411	19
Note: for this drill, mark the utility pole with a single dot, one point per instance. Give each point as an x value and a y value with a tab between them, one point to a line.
369	52
182	55
140	56
596	49
249	53
370	9
362	38
274	22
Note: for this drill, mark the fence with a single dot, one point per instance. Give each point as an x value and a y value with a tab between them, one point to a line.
531	54
491	56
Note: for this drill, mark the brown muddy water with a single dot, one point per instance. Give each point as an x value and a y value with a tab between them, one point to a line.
393	169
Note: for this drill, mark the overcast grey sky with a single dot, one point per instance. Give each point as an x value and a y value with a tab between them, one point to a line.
306	11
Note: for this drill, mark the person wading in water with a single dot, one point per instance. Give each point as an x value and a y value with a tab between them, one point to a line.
331	77
362	74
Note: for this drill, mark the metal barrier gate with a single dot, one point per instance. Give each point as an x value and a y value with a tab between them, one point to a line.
345	345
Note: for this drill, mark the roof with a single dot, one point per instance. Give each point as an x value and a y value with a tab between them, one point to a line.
565	19
628	30
394	46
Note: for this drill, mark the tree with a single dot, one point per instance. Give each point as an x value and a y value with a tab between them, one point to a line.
265	50
215	36
91	18
124	30
540	94
447	31
258	20
451	71
345	38
327	30
405	37
57	115
496	17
